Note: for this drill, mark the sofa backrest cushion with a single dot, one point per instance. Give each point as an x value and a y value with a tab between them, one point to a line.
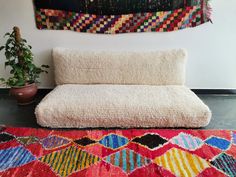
146	68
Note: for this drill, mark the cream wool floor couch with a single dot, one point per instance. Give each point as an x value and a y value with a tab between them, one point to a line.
128	89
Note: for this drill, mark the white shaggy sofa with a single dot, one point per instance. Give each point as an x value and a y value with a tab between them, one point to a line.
121	89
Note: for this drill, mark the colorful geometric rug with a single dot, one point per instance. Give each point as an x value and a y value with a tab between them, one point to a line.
121	16
111	153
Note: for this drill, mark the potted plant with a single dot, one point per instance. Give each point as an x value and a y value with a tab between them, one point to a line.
24	72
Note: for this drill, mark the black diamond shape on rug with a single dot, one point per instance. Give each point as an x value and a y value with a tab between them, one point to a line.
4	137
225	163
2	128
84	141
150	140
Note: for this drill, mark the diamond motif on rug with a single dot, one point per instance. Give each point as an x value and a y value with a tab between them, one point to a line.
14	157
52	142
152	141
2	128
181	163
225	163
187	141
27	140
5	137
234	138
127	160
69	160
84	141
113	141
217	142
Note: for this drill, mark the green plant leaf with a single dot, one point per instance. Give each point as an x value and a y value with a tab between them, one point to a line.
2	79
20	82
7	34
8	55
31	66
45	66
2	47
12	71
7	63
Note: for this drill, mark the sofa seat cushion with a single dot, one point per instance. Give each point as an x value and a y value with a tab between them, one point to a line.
79	106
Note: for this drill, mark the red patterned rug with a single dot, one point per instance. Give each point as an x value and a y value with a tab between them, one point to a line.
107	153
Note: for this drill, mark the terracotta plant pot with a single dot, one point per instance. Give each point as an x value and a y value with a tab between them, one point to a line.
25	94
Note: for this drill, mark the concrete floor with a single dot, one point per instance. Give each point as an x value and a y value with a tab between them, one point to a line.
223	108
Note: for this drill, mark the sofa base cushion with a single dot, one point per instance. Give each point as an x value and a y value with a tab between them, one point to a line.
80	106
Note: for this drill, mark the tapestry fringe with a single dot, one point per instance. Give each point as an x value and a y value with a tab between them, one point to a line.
208	11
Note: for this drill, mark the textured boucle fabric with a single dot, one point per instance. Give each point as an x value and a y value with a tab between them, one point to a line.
145	68
74	105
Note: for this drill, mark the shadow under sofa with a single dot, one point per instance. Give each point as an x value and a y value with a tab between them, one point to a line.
121	89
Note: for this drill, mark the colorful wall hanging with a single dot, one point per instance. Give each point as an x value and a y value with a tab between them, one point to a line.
121	16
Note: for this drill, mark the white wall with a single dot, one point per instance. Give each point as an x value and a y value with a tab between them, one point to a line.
211	47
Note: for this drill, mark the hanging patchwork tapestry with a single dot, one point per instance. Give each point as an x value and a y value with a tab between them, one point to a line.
120	16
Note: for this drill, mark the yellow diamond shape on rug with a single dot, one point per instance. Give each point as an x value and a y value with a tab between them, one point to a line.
69	160
182	163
